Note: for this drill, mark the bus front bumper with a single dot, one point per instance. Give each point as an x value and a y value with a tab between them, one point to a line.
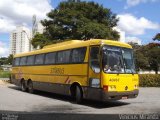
120	95
101	95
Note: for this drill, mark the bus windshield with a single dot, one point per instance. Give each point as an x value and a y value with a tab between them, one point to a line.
117	60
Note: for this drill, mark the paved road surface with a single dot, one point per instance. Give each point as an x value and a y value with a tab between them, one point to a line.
12	99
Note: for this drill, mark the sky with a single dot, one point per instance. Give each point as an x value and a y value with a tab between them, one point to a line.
139	19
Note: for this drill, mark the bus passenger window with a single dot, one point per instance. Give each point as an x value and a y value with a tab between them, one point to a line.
39	59
50	58
30	60
94	59
17	60
63	56
23	60
78	55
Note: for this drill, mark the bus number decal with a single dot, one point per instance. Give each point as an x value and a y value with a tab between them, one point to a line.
58	71
114	80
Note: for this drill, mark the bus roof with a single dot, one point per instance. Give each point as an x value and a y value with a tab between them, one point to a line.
74	44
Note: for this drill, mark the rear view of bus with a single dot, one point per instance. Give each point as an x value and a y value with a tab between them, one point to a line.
116	76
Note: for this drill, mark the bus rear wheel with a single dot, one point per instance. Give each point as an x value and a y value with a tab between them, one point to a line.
30	87
23	86
78	95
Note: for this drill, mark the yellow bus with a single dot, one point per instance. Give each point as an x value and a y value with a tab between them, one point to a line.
95	69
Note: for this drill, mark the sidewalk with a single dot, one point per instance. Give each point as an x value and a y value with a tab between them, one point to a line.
4	81
4	78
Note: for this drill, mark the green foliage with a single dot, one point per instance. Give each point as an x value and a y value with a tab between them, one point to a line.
147	57
40	40
157	37
10	59
77	20
6	60
4	74
3	60
150	80
154	58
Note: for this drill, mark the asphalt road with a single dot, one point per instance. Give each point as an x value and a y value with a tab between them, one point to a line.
13	99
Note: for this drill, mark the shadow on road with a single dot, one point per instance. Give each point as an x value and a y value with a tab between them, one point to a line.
90	103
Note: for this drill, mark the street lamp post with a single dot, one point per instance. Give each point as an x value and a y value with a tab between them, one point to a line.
28	39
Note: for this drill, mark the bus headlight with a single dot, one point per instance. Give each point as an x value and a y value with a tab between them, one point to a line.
112	88
94	82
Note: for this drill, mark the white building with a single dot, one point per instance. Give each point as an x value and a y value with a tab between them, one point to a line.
37	26
133	40
121	33
127	39
20	40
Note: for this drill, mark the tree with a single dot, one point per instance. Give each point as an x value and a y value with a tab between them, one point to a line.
10	59
6	60
141	59
157	37
74	19
3	60
40	40
154	56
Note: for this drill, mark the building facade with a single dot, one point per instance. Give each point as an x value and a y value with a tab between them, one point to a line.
37	26
20	40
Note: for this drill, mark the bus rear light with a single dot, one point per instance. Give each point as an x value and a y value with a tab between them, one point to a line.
105	87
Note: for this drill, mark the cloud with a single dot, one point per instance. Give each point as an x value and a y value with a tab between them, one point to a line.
6	25
133	39
16	12
131	3
135	26
4	51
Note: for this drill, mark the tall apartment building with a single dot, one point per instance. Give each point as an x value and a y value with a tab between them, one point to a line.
20	40
37	27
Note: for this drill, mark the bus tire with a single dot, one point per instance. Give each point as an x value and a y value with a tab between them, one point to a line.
78	95
30	87
23	86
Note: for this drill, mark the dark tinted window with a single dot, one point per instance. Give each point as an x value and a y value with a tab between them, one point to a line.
30	60
39	59
23	61
78	55
50	58
63	56
16	61
94	59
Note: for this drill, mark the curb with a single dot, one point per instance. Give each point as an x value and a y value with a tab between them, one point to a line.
5	81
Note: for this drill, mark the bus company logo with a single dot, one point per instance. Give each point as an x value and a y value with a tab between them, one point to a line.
126	88
58	71
114	79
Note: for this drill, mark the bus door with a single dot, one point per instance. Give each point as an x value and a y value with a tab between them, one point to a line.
94	67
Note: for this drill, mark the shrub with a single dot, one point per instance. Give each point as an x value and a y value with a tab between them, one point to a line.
4	74
149	80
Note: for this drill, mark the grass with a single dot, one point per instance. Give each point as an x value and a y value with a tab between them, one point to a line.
5	74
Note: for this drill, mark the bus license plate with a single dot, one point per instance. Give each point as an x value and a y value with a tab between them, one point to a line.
124	97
